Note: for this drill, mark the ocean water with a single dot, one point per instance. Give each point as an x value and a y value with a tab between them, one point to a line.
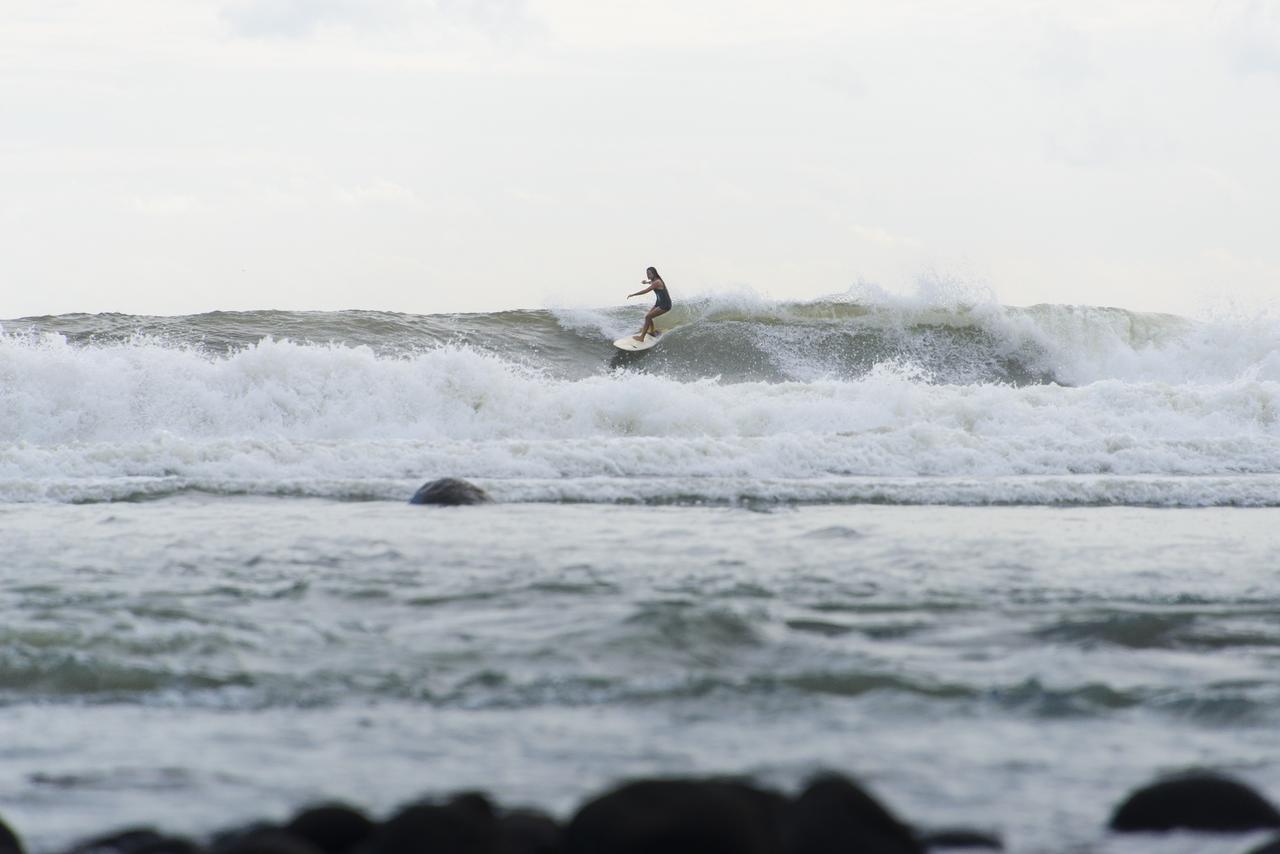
1003	565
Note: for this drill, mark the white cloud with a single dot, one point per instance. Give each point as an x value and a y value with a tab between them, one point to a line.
1064	56
883	237
164	205
1253	36
1071	152
392	19
298	18
380	192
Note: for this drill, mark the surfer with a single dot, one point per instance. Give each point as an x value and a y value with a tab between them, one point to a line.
662	306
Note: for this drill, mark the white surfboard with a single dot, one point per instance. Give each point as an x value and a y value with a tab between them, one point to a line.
630	343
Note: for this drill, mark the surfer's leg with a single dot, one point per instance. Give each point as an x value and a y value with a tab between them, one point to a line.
653	330
648	326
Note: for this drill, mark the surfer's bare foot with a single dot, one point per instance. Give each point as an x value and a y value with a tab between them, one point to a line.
639	338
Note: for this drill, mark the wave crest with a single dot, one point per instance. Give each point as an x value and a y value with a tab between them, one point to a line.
755	402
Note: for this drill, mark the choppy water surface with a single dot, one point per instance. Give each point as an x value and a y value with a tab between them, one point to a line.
1003	563
200	658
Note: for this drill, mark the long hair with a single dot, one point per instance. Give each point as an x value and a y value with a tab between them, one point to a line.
652	273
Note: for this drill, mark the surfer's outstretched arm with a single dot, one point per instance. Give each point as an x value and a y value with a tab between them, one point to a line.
640	293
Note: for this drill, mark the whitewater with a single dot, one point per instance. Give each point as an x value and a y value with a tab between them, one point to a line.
1002	564
744	402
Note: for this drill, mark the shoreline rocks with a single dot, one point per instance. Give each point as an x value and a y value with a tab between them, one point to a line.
833	814
1199	801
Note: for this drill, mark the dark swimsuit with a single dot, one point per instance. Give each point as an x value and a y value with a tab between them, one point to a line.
664	299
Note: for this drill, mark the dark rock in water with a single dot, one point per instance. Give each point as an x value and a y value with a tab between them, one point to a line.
956	838
1195	802
169	845
475	803
124	841
333	828
9	842
274	841
835	816
133	841
229	836
529	832
460	827
450	492
1272	847
678	817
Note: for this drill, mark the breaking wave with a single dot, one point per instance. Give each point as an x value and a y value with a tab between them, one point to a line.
744	400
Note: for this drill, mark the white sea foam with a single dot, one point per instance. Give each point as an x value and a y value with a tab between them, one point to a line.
110	420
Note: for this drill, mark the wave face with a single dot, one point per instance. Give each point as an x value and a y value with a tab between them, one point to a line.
744	400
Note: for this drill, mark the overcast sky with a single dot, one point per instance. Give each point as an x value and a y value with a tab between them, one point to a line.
172	156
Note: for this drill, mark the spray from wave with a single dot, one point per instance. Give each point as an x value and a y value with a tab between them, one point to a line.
829	400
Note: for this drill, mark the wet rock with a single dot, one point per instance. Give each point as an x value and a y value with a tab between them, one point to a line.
460	827
170	845
450	492
678	817
332	828
835	816
954	838
228	836
529	832
475	803
1195	802
9	842
272	841
1271	847
123	841
137	840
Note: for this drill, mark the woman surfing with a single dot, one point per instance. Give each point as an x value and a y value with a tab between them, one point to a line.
662	306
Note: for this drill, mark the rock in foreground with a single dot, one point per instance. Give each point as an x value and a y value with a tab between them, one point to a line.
1204	802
